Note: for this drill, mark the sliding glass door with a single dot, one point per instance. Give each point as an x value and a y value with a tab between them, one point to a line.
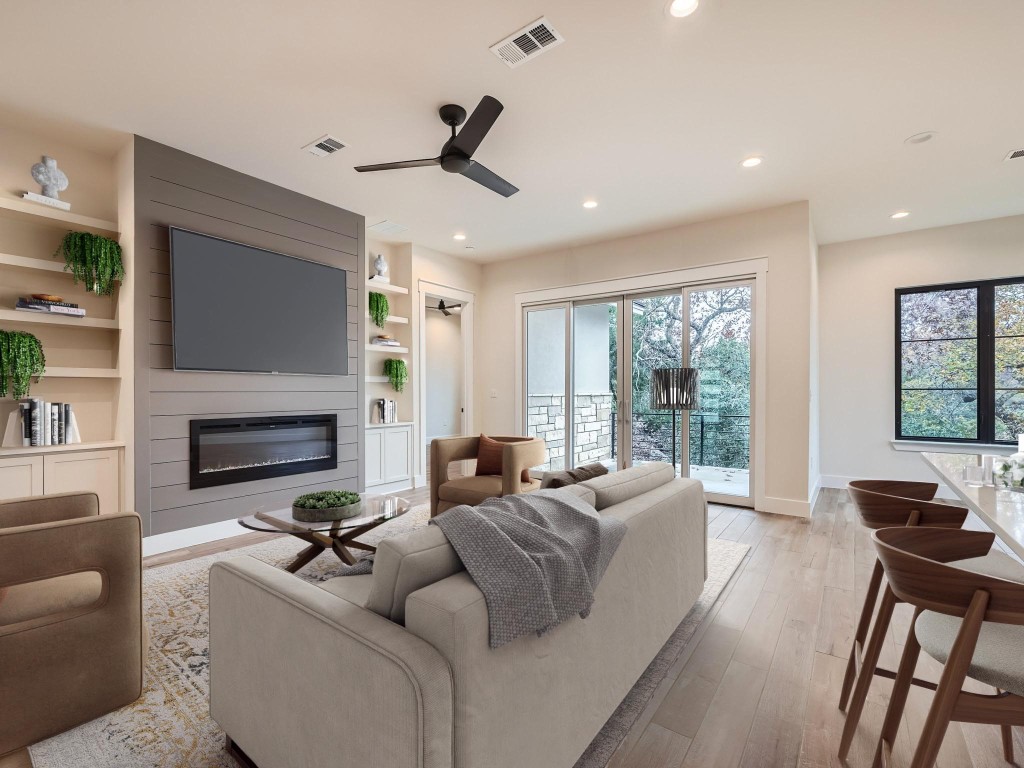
589	369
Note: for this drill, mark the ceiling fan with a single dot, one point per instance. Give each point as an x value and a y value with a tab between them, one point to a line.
457	153
445	309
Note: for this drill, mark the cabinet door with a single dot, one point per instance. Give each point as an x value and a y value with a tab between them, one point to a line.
397	443
374	456
21	476
96	471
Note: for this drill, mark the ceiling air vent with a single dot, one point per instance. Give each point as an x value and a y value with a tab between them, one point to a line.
387	227
1015	154
528	43
324	146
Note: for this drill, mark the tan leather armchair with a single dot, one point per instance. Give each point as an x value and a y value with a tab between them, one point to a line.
72	639
518	453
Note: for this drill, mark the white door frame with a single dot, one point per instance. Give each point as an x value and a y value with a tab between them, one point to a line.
425	288
756	269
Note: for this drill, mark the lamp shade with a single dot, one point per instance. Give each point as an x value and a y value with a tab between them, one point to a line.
674	389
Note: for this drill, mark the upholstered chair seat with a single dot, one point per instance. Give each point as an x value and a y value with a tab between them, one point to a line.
473	490
997	656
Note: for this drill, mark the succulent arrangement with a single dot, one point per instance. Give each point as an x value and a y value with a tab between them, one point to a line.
326	499
379	308
397	372
21	358
93	260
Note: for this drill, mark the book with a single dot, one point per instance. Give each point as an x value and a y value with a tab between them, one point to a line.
33	305
49	303
44	424
58	417
35	415
26	422
66	417
54	436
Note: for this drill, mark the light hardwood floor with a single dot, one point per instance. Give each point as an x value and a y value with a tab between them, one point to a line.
758	683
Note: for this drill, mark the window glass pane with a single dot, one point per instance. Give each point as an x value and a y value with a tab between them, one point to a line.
1010	310
940	364
1009	415
939	314
1010	362
943	413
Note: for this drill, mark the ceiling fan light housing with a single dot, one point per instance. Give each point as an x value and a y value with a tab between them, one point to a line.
454	163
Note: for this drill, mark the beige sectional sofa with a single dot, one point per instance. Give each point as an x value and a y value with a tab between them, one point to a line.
393	669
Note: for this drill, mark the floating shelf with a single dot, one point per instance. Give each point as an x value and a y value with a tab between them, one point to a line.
25	450
385	348
385	288
392	424
394	319
377	379
13	208
28	263
82	373
43	318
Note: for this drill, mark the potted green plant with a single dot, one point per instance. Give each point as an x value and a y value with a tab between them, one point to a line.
397	373
379	308
324	506
21	358
92	259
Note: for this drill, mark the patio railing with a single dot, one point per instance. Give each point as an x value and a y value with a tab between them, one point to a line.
716	440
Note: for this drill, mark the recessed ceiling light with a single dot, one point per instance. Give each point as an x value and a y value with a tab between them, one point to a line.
590	203
920	138
458	236
682	8
899	215
752	162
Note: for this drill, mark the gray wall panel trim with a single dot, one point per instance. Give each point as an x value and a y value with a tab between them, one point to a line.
173	188
174	496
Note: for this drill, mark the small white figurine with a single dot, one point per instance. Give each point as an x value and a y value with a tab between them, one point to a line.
53	179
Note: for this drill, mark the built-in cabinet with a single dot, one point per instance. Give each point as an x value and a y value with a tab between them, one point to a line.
388	455
64	471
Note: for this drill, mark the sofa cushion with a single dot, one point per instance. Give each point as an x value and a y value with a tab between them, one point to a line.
60	594
404	564
355	589
582	492
473	490
569	477
617	487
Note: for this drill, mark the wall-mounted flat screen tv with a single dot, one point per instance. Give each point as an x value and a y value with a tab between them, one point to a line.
243	309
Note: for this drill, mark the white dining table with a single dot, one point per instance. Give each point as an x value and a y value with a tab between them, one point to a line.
1001	510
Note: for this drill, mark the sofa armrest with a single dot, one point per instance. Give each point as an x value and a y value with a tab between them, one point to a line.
517	456
291	664
32	510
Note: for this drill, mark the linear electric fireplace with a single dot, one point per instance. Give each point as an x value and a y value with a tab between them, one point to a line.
223	451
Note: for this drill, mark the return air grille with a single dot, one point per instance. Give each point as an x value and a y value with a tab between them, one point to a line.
1016	154
324	146
528	43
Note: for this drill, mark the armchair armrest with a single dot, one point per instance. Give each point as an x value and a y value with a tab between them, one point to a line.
517	456
31	510
443	451
63	669
290	663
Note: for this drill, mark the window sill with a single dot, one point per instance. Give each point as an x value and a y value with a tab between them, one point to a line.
937	446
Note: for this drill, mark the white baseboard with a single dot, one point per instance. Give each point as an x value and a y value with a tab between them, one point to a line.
815	492
841	481
791	507
191	537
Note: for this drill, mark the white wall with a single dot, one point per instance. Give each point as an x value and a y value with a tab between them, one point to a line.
443	374
781	234
857	281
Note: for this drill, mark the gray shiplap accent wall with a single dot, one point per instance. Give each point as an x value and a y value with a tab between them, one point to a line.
173	188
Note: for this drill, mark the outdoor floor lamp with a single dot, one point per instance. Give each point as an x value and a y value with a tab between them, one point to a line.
674	389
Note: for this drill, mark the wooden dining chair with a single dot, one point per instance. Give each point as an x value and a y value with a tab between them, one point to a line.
973	623
883	504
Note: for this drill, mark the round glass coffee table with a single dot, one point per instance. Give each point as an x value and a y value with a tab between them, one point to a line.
336	535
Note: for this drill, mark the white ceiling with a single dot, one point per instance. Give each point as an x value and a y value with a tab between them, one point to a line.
647	114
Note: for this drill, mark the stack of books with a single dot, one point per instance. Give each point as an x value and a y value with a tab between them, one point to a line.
32	304
387	411
48	423
385	341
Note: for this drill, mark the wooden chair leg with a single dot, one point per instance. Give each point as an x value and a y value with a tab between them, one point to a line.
863	625
1007	733
950	683
900	691
867	671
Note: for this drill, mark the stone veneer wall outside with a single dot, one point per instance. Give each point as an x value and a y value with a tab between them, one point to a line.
546	419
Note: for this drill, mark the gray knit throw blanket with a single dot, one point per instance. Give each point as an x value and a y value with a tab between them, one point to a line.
537	557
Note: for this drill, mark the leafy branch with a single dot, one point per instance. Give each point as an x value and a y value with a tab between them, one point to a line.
21	358
93	260
379	308
397	373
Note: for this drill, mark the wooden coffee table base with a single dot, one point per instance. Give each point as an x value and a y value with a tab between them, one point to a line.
338	539
240	757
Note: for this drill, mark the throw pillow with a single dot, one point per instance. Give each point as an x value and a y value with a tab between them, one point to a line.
573	476
488	458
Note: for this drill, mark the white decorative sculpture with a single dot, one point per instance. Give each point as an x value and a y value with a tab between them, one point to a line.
53	179
382	268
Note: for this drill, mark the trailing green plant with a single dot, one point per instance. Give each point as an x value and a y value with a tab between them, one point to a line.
93	260
397	373
379	308
326	499
21	358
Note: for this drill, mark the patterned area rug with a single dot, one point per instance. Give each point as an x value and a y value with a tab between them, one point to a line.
170	725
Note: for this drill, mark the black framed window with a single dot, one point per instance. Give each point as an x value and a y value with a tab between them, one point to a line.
960	362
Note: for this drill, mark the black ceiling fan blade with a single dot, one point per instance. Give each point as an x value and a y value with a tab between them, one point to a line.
402	164
477	126
491	180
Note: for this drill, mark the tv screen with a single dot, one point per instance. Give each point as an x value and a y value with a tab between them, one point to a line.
239	308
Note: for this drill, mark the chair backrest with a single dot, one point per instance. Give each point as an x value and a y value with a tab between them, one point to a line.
908	489
880	510
916	564
51	508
